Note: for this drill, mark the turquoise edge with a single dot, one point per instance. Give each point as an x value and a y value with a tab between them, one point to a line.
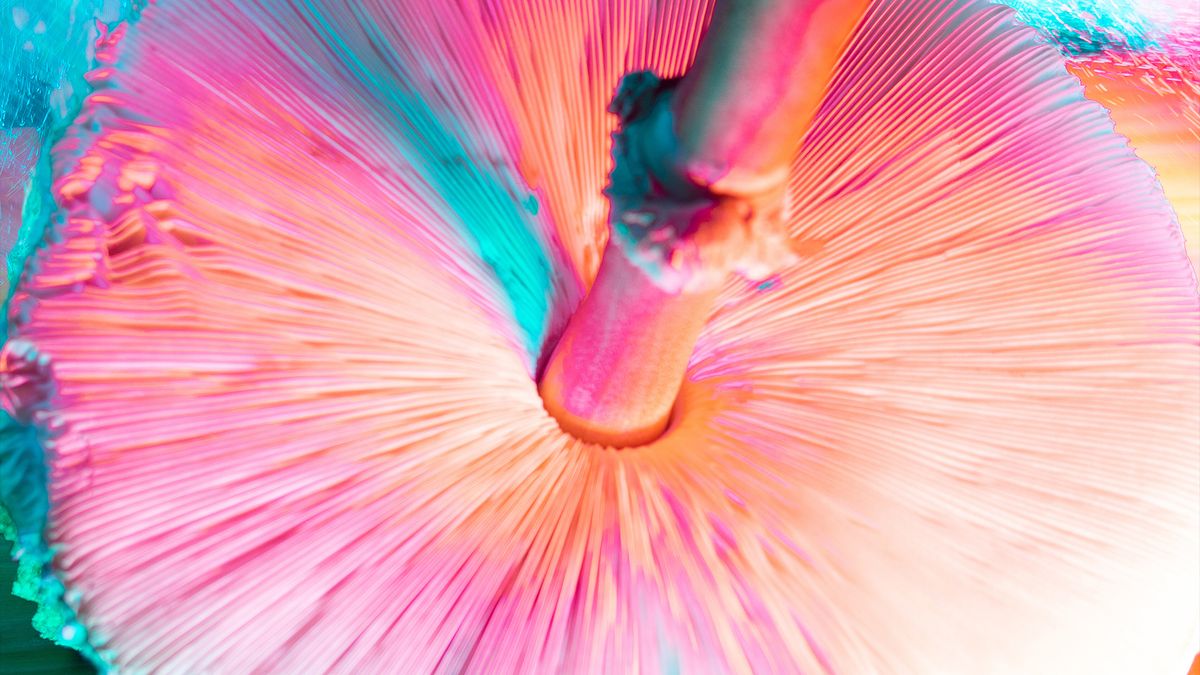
24	494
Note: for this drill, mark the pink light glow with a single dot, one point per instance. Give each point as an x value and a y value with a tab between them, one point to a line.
296	432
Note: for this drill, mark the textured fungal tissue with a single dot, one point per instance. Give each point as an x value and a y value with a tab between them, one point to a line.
282	274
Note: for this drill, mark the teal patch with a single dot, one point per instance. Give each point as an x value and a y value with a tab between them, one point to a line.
43	90
484	198
28	630
1089	26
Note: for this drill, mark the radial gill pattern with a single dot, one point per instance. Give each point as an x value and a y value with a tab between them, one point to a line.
279	347
1154	98
1141	60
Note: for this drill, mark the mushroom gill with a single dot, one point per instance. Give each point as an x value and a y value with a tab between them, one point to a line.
280	352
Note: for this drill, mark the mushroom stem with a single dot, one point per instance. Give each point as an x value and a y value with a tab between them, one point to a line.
760	74
617	369
700	166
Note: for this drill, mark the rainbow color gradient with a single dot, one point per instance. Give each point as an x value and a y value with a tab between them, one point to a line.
285	273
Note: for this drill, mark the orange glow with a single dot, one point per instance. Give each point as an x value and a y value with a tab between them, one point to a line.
1154	100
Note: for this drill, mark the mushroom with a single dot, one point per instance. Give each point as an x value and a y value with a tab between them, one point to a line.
285	348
